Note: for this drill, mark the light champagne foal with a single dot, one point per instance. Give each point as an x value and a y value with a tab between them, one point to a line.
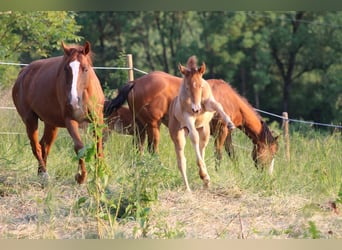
190	113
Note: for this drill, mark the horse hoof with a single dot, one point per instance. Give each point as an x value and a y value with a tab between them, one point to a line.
80	178
206	185
231	126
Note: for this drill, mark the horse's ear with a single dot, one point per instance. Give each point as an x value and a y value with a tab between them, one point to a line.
201	70
86	47
182	69
65	48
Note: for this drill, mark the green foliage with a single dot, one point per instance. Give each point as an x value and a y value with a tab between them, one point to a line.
314	232
267	56
30	35
124	192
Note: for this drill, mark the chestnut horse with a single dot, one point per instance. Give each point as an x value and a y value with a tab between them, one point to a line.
190	114
149	98
61	91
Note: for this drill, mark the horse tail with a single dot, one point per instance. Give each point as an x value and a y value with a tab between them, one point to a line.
119	100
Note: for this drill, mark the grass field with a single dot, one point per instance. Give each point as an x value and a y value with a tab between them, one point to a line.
131	196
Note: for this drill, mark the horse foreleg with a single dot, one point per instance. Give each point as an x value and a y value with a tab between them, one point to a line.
228	145
32	133
204	135
179	143
220	136
49	136
99	137
72	127
213	105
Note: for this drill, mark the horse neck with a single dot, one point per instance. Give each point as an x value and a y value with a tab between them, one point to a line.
258	133
253	126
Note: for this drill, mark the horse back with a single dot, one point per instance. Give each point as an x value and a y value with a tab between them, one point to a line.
236	106
152	94
39	76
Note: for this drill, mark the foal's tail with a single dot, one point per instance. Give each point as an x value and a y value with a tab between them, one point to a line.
119	100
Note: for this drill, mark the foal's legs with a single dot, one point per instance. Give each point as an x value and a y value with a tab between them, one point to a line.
204	135
72	127
178	137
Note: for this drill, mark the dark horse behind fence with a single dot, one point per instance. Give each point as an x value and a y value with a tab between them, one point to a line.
149	98
61	91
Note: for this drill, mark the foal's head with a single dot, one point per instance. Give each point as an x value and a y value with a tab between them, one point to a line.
77	64
193	82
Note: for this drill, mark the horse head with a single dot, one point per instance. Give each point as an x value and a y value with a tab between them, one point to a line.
77	65
193	82
265	149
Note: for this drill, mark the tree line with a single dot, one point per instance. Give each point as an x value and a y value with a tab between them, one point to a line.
280	61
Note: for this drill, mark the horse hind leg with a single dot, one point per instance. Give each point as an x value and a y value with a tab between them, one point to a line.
153	137
139	136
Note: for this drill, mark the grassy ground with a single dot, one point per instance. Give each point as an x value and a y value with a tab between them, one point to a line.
132	196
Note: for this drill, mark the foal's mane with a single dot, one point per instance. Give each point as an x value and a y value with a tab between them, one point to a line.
192	64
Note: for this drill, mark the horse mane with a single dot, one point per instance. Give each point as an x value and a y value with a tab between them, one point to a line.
248	112
192	64
267	133
79	49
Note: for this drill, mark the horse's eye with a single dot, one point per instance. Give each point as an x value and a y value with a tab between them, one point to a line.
85	69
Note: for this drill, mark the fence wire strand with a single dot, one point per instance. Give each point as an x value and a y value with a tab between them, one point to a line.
143	72
299	121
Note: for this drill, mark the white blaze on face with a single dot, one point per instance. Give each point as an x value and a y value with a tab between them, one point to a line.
75	66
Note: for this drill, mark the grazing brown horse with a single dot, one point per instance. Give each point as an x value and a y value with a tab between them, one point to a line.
265	145
190	114
149	98
120	121
61	91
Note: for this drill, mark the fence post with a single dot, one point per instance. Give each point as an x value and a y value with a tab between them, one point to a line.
130	66
286	135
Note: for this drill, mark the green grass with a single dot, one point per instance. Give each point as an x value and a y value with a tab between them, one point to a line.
143	196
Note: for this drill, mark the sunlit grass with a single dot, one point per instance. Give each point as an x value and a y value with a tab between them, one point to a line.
59	210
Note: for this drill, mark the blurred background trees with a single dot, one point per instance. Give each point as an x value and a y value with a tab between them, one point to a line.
280	61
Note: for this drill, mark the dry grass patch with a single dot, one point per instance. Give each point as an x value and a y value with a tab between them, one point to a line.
232	214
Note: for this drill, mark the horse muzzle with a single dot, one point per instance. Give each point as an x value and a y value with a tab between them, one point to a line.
75	102
196	108
76	108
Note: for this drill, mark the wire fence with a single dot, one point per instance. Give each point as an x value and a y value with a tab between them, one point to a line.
143	72
299	121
